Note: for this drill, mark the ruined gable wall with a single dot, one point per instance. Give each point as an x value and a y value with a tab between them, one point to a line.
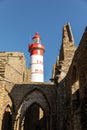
76	84
60	71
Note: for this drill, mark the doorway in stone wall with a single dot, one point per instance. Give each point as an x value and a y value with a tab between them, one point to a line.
7	119
35	118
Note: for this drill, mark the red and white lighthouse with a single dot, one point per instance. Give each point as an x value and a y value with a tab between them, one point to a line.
36	50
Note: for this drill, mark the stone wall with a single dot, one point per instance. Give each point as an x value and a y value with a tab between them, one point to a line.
13	67
76	88
24	95
60	71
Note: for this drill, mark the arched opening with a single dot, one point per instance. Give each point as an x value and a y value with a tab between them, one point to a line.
30	110
35	118
7	119
75	89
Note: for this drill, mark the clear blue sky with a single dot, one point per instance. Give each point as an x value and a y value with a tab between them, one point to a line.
20	19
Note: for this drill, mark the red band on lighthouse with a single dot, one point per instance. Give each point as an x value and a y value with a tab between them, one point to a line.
36	49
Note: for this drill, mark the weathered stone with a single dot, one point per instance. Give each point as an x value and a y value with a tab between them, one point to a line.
57	105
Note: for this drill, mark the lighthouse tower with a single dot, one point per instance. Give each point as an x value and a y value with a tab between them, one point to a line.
36	50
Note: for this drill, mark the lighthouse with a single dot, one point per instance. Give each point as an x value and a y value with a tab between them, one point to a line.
36	50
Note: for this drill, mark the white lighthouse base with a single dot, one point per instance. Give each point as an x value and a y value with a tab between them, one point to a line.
35	78
37	68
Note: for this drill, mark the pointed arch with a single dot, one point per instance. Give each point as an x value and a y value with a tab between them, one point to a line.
35	96
33	118
6	106
7	119
35	90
